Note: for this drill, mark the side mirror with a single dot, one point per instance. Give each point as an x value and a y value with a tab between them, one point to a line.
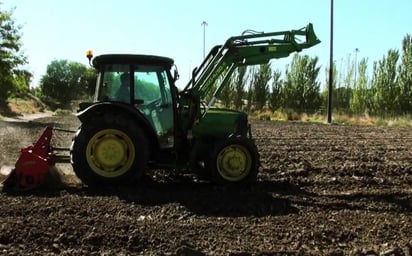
175	73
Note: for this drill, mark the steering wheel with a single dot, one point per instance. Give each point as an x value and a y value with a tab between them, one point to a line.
152	105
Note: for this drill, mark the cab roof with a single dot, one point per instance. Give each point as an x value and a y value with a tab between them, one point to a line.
131	59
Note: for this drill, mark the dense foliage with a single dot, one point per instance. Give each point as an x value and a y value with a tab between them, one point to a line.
405	77
301	88
65	81
360	100
13	78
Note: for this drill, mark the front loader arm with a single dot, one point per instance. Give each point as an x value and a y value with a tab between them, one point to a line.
247	49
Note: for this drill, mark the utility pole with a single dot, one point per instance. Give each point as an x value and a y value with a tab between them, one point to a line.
204	24
330	65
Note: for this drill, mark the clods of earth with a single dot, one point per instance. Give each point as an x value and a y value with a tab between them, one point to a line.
321	190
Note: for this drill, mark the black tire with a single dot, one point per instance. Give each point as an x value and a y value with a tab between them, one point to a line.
234	161
109	150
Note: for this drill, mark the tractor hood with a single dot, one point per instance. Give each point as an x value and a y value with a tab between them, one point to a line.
221	122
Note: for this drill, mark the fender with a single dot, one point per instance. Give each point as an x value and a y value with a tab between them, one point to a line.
101	108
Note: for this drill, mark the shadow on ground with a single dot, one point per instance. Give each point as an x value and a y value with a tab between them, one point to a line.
264	198
201	198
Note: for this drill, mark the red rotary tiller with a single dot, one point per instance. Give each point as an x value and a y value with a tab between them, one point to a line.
34	163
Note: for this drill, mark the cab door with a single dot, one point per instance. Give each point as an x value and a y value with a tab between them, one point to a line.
153	92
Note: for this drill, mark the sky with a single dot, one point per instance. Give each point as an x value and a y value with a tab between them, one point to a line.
62	29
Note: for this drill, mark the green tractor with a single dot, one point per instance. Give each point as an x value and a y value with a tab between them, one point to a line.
140	121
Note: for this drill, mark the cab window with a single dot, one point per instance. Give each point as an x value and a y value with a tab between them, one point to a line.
114	84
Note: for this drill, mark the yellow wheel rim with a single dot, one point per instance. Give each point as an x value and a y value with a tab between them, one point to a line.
234	162
110	153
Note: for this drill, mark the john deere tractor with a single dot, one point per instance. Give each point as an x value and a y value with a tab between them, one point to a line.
139	120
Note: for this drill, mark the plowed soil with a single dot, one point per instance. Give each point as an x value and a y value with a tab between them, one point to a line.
321	190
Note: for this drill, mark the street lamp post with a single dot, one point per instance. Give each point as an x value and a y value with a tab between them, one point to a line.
204	24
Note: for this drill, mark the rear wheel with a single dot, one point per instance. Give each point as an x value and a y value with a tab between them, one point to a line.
235	160
109	150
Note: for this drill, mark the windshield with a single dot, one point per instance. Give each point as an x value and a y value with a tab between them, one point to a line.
150	83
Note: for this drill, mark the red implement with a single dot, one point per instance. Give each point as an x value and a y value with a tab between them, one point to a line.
33	164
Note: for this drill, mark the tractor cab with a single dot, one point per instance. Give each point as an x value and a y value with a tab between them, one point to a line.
143	82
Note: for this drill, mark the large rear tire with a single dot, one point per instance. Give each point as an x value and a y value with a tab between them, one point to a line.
109	150
234	161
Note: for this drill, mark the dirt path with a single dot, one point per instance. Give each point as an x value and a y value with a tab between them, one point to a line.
26	117
322	190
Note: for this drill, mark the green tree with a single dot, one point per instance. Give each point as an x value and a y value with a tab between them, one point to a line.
227	93
239	86
65	81
12	76
90	78
249	93
341	99
384	85
344	92
301	84
405	76
261	85
335	82
275	96
360	100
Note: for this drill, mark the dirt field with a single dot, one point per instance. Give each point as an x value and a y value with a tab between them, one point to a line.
322	190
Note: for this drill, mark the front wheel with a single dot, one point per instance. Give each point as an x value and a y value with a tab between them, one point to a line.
235	160
109	150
